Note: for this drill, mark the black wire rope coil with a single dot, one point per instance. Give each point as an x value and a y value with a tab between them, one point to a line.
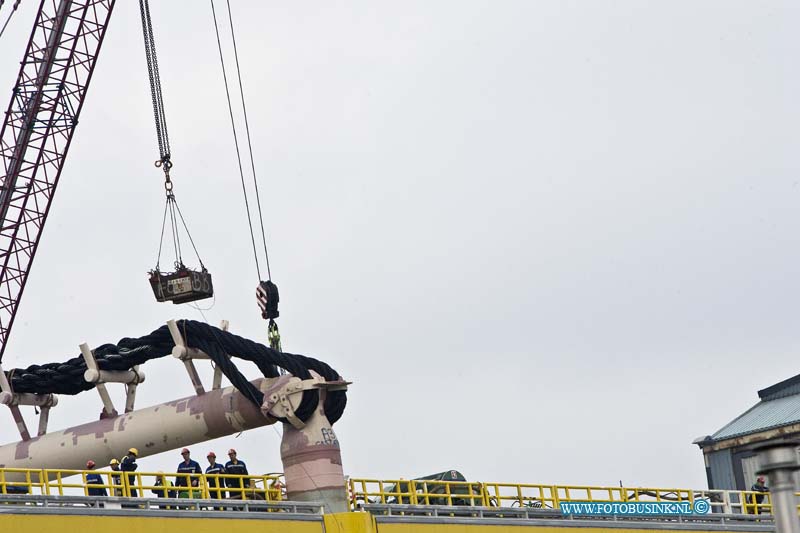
67	377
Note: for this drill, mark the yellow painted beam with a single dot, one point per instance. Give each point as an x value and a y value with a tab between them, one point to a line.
331	523
350	523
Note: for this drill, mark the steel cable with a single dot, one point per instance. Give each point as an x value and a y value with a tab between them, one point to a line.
235	139
249	142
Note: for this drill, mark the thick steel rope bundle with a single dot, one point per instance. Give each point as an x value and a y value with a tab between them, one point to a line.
221	346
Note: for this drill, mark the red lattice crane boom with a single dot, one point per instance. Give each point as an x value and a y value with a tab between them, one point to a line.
37	131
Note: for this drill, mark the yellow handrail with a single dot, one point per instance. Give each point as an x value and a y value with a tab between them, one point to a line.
14	480
63	482
364	491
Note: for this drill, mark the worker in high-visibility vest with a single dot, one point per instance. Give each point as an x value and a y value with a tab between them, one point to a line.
116	480
128	464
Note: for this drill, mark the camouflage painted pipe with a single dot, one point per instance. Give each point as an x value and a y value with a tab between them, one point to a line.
312	462
153	430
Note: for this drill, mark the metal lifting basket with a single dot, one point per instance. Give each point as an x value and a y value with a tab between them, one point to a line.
182	286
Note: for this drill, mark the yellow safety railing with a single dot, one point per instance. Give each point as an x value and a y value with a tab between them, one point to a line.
55	482
748	502
417	492
521	495
363	491
425	492
63	482
21	480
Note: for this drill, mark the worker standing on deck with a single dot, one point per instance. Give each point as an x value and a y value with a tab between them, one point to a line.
163	486
236	468
759	487
128	464
94	479
116	480
214	469
187	466
162	489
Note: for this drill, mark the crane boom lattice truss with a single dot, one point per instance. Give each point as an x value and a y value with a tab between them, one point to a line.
37	131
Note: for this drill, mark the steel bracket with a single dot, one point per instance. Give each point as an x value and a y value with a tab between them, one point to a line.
13	400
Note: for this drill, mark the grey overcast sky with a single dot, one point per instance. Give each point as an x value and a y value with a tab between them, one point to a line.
548	241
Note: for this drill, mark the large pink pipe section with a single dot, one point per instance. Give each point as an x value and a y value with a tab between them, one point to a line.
312	462
153	430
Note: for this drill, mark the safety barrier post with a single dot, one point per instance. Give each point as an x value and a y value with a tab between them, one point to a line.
726	502
748	503
420	491
351	492
56	484
203	486
46	488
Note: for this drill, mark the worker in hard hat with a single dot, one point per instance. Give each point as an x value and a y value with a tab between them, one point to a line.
237	468
277	490
128	464
116	480
163	489
94	479
213	470
187	466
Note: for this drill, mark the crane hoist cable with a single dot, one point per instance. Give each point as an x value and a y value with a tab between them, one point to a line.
183	285
249	141
267	295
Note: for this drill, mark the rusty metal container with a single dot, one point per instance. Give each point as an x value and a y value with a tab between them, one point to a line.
183	285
